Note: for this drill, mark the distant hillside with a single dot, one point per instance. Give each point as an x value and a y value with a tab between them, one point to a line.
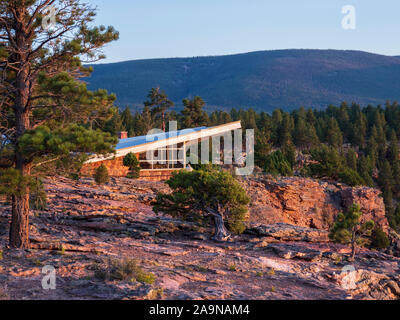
264	80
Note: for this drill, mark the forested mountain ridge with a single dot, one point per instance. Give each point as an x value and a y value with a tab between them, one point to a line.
263	80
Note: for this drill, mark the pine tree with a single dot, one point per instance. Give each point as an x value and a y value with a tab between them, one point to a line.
365	170
348	228
131	161
262	148
385	181
114	125
334	135
45	107
393	150
193	113
127	121
143	122
351	159
158	104
285	129
206	192
101	175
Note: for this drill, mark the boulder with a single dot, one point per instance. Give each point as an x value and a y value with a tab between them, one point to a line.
308	202
287	232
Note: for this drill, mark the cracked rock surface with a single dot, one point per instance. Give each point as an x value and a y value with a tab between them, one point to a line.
85	226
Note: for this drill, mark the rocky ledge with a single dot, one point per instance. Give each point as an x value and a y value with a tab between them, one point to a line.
310	203
88	227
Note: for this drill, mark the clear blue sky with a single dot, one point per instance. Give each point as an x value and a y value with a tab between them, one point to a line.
186	28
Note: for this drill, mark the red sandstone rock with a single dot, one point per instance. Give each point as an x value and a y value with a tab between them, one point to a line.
309	203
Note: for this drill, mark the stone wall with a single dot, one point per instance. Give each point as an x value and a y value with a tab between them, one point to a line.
116	168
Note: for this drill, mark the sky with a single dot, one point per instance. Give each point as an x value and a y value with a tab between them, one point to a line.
188	28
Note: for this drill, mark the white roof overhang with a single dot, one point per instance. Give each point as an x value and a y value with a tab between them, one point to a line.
171	140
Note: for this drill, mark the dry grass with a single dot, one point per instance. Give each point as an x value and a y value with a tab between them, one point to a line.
121	270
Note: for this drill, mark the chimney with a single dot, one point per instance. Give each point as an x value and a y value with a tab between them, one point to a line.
123	135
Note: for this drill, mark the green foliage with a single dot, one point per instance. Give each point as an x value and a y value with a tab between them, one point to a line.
329	164
196	191
13	183
350	177
348	228
131	161
101	175
262	148
67	141
158	104
193	114
277	164
48	119
379	239
127	269
38	198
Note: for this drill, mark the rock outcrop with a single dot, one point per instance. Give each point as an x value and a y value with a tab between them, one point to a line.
309	203
86	226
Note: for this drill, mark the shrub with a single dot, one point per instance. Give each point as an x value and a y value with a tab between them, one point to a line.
3	294
101	175
348	228
277	164
379	239
37	199
232	267
351	177
131	161
207	192
74	176
127	269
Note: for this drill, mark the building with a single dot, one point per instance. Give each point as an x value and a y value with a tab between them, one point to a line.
159	154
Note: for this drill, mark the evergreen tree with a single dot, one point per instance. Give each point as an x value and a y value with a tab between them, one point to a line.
351	159
334	135
276	164
45	108
262	148
101	175
193	114
365	170
206	192
131	161
285	129
349	229
158	104
289	152
127	122
393	150
143	122
114	125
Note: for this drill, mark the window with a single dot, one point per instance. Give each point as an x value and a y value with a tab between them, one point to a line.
166	158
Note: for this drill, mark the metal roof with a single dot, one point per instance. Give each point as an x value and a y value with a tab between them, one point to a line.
137	141
162	139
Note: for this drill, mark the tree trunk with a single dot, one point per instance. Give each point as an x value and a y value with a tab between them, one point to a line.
19	230
221	233
353	245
